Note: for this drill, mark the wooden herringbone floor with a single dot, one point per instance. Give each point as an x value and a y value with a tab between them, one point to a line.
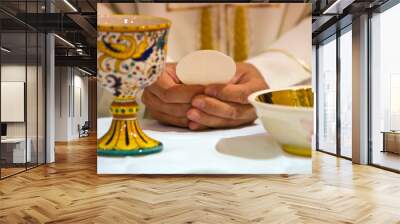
70	191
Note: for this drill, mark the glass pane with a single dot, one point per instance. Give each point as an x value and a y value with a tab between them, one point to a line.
32	96
314	78
386	89
327	97
41	99
346	94
13	84
23	82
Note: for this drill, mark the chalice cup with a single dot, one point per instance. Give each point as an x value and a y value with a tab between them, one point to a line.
131	53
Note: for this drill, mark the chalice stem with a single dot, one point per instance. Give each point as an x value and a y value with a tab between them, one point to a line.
125	136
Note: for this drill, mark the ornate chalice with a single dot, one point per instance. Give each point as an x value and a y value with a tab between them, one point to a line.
131	52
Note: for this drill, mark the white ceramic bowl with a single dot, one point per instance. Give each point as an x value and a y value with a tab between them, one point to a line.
287	115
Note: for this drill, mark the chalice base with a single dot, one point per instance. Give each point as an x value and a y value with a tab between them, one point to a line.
125	136
306	152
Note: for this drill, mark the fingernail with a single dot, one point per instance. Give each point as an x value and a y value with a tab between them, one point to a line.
211	91
193	115
199	103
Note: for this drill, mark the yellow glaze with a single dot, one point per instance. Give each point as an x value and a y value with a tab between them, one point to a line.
125	132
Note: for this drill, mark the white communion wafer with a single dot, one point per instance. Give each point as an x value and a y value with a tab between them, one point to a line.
206	67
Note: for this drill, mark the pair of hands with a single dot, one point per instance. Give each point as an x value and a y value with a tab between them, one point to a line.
200	107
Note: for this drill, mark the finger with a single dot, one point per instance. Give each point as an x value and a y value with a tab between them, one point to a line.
229	92
170	69
196	126
168	119
163	83
205	119
223	109
168	89
154	103
174	93
240	75
237	77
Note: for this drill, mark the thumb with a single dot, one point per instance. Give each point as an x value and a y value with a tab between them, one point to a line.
170	69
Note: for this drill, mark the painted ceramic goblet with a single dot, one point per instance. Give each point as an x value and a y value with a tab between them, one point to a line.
131	52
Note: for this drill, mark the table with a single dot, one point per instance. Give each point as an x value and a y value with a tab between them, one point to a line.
246	150
391	141
18	149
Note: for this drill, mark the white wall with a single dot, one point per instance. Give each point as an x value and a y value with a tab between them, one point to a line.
12	73
62	81
33	127
80	110
71	94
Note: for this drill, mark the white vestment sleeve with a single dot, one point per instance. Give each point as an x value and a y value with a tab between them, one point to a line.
281	70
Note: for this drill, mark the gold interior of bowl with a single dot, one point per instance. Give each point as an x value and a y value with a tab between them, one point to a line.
301	97
126	23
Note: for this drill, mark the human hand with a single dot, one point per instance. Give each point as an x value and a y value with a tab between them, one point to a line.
168	100
223	106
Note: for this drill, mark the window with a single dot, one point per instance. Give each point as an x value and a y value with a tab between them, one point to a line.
327	96
346	93
385	89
